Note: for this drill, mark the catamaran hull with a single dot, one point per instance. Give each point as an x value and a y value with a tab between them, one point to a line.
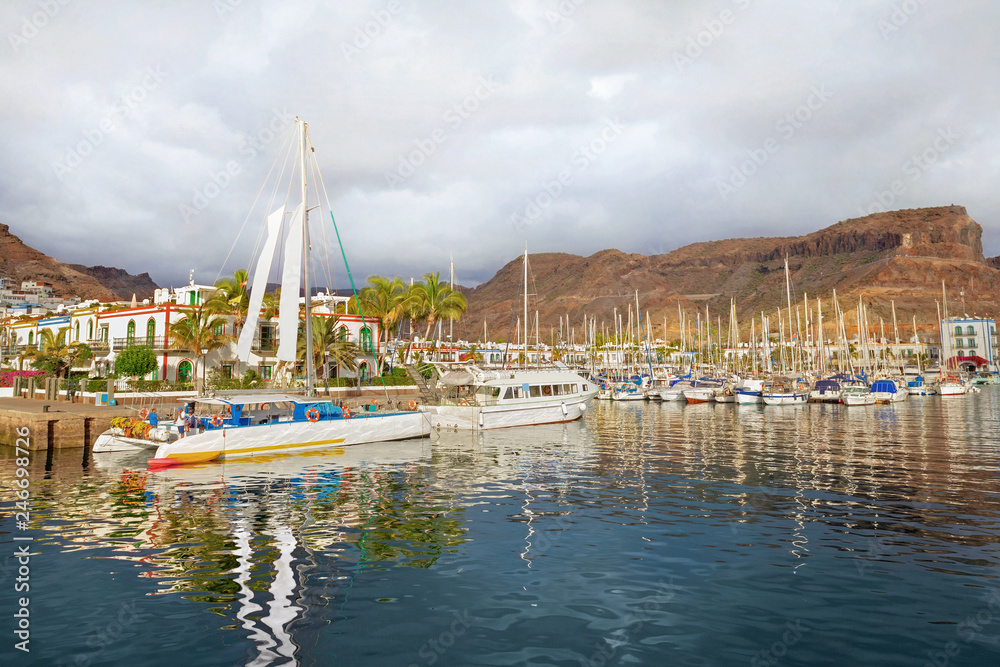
473	417
290	437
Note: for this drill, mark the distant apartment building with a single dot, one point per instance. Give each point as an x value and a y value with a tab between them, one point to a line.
969	343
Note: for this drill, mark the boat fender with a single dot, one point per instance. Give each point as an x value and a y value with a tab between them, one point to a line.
312	414
583	407
346	411
565	410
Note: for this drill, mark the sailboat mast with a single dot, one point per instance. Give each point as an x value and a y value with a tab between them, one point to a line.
524	364
310	371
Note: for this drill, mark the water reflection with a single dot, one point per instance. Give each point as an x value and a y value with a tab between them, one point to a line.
563	526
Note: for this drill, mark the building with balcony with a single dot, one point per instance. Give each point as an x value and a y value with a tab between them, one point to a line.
969	343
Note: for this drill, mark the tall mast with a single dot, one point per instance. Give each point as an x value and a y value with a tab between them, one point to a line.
451	285
525	362
310	372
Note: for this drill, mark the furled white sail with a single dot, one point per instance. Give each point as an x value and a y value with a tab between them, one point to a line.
259	284
288	307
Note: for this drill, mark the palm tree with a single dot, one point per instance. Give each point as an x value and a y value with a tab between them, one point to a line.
196	333
434	301
330	344
231	296
388	301
57	355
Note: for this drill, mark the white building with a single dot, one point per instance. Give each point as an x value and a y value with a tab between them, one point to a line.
969	342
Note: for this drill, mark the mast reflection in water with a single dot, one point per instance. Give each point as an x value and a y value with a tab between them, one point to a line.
644	534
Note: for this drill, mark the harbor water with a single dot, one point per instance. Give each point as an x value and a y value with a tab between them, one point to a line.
643	534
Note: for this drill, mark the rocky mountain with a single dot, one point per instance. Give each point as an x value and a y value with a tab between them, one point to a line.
21	262
899	257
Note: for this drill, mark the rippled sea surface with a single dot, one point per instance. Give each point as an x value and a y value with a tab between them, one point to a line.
644	534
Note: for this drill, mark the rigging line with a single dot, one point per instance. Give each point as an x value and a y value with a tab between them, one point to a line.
354	289
324	240
263	185
513	312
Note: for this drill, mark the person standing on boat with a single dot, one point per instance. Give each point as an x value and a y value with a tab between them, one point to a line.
180	422
154	419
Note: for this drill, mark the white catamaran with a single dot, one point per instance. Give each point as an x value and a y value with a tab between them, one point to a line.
255	425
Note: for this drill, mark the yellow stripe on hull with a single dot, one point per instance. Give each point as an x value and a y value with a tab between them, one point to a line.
203	457
195	457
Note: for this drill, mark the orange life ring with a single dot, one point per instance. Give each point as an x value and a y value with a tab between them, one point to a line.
347	412
413	404
464	402
216	420
143	413
264	406
374	401
312	414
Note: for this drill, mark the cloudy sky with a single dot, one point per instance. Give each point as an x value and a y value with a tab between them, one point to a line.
138	134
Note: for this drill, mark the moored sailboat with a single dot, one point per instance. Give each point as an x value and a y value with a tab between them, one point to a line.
256	425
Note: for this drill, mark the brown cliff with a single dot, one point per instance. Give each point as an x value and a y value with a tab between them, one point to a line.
21	262
899	256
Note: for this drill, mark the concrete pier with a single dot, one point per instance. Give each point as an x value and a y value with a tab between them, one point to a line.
55	424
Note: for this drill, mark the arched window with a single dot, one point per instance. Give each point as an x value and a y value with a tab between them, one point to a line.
184	371
343	333
90	330
150	330
130	332
958	331
366	340
76	332
970	330
31	338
